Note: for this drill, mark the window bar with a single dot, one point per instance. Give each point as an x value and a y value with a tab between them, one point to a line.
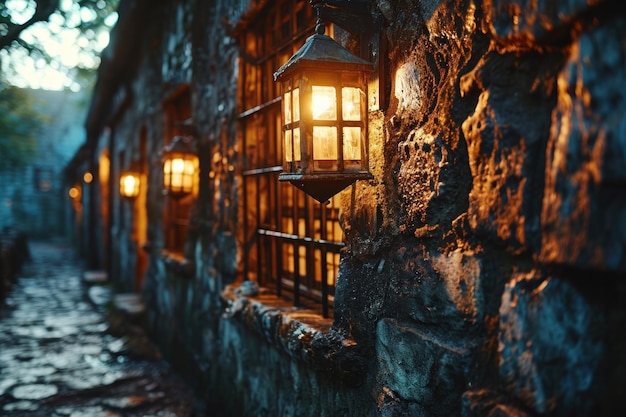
270	244
246	268
324	262
309	213
302	240
279	245
296	252
259	252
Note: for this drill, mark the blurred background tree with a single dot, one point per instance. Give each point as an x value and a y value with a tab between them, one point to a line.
20	124
45	44
59	38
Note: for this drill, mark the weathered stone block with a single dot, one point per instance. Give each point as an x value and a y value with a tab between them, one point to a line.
421	366
584	207
535	19
550	344
441	288
489	403
506	139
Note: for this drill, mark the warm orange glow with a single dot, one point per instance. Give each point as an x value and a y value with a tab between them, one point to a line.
324	103
351	103
352	144
129	185
325	143
179	174
87	177
291	113
73	192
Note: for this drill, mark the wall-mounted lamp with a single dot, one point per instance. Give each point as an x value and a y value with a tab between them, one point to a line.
73	193
179	167
87	177
324	108
130	181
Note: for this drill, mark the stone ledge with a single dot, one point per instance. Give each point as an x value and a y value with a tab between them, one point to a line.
301	333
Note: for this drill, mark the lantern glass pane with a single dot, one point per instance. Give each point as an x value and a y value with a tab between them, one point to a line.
296	145
188	176
352	143
351	103
130	185
189	167
324	103
288	146
167	173
296	104
178	169
325	147
287	107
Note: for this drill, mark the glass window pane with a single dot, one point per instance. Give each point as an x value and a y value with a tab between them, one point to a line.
288	146
351	101
324	103
296	145
324	143
287	107
296	104
352	143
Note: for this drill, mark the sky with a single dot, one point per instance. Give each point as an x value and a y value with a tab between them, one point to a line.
63	44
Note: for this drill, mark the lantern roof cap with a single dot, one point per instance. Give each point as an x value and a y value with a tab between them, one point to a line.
179	144
322	49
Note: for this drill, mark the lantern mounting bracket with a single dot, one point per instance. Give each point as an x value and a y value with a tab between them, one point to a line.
353	16
357	18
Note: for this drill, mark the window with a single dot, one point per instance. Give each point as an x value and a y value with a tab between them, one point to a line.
290	242
177	210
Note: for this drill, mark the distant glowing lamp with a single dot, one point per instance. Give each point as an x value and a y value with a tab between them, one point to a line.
179	167
324	108
130	181
73	193
87	177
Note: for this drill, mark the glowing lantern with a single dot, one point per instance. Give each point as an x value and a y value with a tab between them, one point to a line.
324	107
130	182
179	167
73	193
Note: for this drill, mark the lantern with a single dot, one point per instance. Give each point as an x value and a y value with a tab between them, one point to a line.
179	167
324	108
129	184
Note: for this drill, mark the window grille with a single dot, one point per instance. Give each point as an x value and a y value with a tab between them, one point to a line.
291	242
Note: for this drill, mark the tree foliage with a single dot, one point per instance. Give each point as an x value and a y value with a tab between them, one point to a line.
28	28
20	124
87	19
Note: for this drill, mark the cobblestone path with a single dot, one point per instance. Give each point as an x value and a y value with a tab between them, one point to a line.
58	358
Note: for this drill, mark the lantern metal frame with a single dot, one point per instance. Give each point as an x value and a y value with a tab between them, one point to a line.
322	62
179	149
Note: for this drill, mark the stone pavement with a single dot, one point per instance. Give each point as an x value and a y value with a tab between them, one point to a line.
58	357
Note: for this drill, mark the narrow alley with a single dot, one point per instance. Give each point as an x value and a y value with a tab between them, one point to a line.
59	355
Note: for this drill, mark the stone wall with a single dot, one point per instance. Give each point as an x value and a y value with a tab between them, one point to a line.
482	273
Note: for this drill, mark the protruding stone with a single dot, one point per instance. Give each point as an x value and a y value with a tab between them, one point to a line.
550	344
